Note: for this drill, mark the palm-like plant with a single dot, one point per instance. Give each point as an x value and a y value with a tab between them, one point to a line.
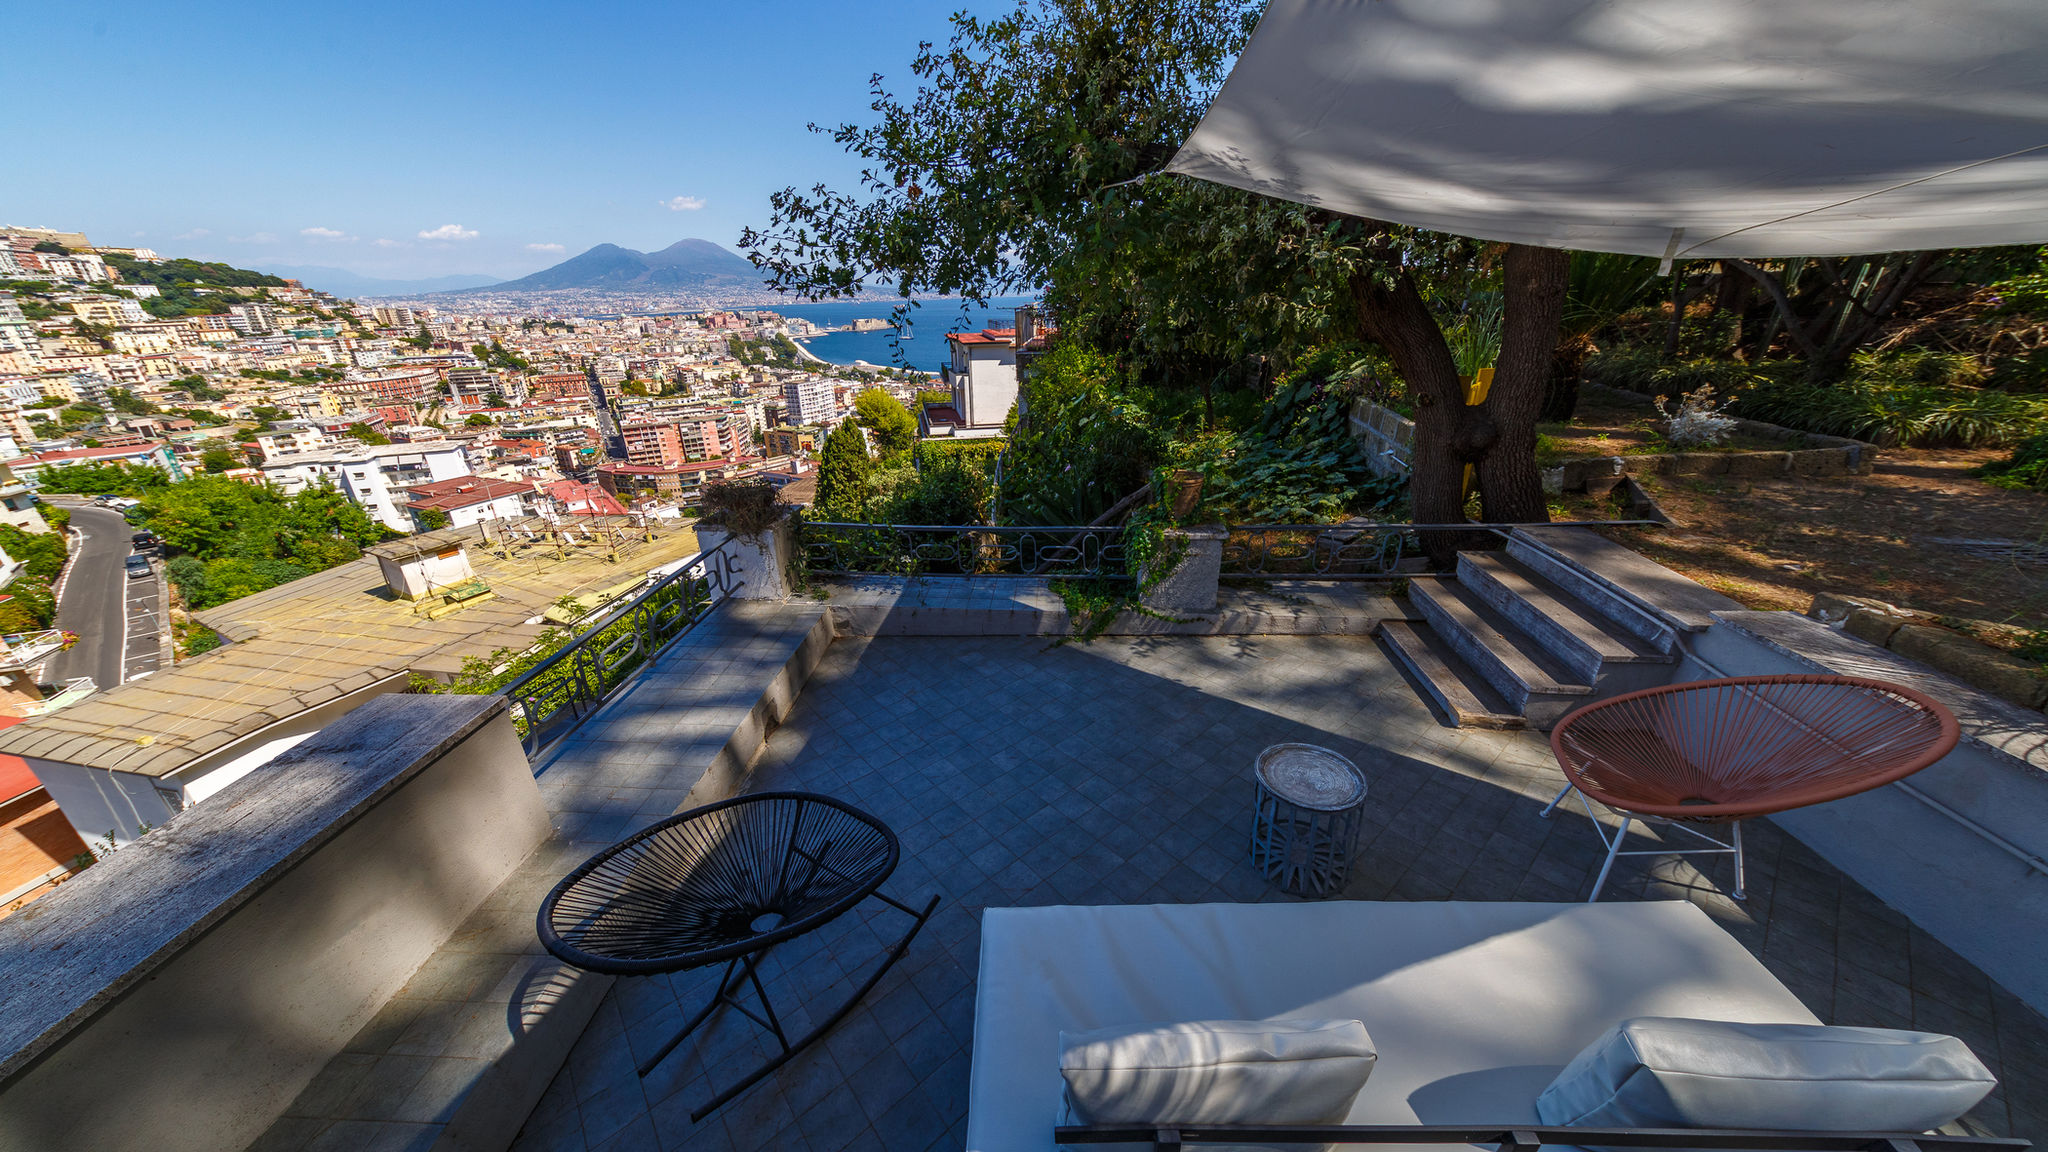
1601	286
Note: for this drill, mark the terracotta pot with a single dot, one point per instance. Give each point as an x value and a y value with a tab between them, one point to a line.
1183	492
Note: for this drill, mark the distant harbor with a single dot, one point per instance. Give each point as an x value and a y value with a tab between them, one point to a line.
864	329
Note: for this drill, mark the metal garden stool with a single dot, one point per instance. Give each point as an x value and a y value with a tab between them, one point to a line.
727	882
1717	752
1305	817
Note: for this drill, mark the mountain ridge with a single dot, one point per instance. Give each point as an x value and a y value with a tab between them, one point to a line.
343	282
688	263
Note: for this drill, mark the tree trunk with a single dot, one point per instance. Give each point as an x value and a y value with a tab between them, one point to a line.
1510	485
1498	436
1446	437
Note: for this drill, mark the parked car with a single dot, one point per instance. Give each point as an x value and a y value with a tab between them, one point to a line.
145	541
138	567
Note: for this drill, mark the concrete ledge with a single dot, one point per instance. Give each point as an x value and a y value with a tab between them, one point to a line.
203	975
456	1061
1961	847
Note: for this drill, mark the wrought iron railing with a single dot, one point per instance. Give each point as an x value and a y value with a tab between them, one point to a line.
833	548
71	692
21	649
1350	550
1318	551
553	697
1353	549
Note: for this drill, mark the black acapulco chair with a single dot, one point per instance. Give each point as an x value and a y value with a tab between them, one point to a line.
727	882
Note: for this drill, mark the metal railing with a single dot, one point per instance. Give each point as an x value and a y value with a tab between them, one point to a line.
833	548
1352	549
75	689
553	697
20	649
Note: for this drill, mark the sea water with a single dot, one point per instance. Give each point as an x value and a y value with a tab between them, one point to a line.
929	323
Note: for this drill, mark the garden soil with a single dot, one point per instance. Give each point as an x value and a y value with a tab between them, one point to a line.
1774	544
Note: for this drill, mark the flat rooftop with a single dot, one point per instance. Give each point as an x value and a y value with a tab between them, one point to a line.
297	646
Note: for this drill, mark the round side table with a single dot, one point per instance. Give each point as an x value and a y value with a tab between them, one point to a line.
1305	817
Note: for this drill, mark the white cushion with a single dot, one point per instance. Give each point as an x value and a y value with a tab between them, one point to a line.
1473	1006
1217	1072
1663	1072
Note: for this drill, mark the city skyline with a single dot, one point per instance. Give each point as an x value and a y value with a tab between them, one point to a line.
410	143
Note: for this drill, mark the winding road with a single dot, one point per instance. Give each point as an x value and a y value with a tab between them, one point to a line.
116	618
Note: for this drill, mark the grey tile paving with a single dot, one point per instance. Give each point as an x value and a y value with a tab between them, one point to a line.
1017	773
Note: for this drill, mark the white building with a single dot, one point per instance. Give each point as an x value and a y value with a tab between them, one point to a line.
809	400
371	476
981	372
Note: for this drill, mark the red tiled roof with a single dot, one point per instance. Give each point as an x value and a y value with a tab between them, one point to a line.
461	492
586	499
985	336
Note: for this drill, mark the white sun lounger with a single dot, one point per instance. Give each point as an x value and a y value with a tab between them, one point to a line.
1474	1008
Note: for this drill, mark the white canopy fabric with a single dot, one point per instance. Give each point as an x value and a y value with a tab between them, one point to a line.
1667	128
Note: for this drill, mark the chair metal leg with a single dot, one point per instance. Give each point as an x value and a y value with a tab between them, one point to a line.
1555	801
1613	850
790	1049
1741	873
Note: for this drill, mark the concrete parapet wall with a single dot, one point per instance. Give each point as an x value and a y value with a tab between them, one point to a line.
181	993
1960	847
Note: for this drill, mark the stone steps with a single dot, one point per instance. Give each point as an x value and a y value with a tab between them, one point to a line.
1563	617
1569	628
1533	681
1459	695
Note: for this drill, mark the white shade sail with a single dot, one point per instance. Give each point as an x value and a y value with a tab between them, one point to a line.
1667	128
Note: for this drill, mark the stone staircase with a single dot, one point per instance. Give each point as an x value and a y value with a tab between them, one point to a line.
1564	616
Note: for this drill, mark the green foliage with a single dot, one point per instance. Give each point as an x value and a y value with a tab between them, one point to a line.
843	468
950	484
268	414
41	555
197	388
888	422
219	460
1917	398
934	396
1079	441
242	538
2027	467
194	638
477	420
2027	291
128	402
180	283
496	355
1013	167
367	434
430	519
1921	415
79	415
101	479
56	516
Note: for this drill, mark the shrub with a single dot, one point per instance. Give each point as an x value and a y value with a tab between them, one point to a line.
1694	422
744	507
2027	467
1920	415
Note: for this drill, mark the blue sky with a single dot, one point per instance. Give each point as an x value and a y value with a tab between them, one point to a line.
429	138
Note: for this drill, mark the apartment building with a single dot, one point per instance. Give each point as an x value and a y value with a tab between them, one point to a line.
373	477
809	400
110	312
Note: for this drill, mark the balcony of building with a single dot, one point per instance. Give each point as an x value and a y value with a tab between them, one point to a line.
339	951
